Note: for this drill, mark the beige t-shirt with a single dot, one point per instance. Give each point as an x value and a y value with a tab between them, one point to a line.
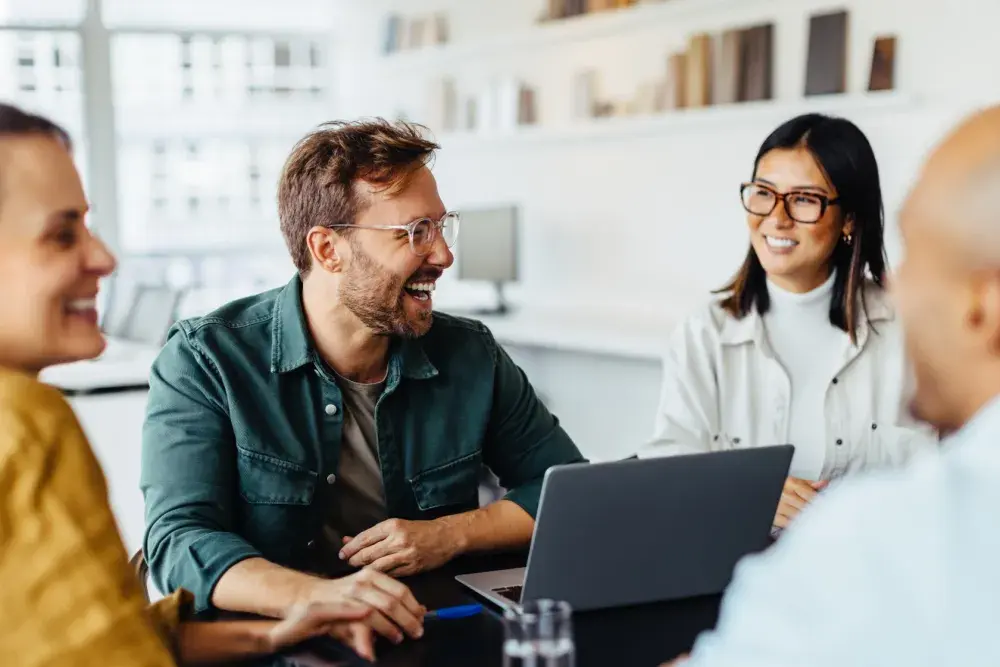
358	495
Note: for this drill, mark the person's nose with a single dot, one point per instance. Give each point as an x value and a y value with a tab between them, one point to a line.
440	256
99	259
779	216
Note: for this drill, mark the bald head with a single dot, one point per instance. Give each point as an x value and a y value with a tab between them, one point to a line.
948	287
958	190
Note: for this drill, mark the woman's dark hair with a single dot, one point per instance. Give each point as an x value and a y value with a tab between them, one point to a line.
17	123
844	154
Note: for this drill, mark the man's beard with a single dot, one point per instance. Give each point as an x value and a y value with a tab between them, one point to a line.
375	296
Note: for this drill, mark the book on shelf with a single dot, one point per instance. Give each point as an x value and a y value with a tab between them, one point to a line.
883	72
826	69
393	30
417	33
756	64
437	29
699	71
600	5
675	90
527	110
726	80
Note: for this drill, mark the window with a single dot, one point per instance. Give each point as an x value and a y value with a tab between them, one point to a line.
205	122
40	72
208	98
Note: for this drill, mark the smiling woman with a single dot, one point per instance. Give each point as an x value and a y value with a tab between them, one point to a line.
67	595
803	347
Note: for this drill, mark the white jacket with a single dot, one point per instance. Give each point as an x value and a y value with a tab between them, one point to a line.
723	388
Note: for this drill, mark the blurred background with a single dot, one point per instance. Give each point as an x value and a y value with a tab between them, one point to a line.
595	146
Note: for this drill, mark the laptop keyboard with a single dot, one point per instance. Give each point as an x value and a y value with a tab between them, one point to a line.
512	593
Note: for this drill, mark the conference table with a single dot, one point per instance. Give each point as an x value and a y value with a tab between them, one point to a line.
644	635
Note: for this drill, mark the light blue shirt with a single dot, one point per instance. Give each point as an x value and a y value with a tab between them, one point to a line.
893	568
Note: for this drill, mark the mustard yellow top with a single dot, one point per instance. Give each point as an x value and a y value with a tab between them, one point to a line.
67	593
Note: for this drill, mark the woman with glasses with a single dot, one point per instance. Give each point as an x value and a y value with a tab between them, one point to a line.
803	347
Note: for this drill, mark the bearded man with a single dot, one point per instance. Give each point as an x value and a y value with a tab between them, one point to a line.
337	422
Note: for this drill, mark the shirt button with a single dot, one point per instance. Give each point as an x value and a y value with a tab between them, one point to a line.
331	478
874	426
331	409
835	380
839	442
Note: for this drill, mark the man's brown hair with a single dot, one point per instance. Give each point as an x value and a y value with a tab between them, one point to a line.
320	182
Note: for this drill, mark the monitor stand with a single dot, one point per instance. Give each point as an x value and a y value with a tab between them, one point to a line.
501	307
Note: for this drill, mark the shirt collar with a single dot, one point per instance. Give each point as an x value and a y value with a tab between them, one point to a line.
292	348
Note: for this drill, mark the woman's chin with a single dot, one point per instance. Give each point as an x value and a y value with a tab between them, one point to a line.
82	348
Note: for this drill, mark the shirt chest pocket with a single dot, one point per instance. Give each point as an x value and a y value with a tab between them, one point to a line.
276	496
450	487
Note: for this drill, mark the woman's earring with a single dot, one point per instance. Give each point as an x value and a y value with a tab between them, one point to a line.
847	239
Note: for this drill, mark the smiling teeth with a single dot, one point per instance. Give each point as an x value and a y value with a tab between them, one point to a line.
780	243
82	304
421	287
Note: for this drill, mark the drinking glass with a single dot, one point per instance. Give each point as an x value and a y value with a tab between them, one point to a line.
539	634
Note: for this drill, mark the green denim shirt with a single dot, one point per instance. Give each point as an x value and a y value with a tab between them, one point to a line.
243	432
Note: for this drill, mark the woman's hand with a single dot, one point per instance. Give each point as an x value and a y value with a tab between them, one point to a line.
794	497
342	620
225	641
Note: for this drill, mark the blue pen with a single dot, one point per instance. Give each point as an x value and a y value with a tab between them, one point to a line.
463	611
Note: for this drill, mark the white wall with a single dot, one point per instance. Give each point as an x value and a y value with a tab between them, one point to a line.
653	218
646	218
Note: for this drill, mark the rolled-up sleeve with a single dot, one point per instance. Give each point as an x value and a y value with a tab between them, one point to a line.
523	438
189	474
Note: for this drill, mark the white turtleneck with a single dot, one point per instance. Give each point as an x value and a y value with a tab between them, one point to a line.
809	348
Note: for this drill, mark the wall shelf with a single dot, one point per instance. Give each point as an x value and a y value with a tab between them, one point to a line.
551	34
684	120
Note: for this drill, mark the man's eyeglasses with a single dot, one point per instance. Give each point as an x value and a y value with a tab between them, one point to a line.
804	207
422	232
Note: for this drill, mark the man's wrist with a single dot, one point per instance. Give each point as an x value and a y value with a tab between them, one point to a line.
455	534
308	589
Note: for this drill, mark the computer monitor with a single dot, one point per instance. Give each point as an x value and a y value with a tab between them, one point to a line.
487	248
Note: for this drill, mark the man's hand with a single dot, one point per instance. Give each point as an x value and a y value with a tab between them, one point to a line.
344	620
402	548
794	497
391	603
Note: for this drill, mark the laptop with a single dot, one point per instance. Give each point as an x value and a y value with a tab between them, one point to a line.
637	531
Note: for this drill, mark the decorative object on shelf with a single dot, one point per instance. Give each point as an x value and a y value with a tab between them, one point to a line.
442	107
756	64
471	120
417	32
826	71
883	72
726	80
501	104
585	94
699	71
527	108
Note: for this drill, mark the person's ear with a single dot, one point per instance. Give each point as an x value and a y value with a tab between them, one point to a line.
848	230
984	308
326	248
